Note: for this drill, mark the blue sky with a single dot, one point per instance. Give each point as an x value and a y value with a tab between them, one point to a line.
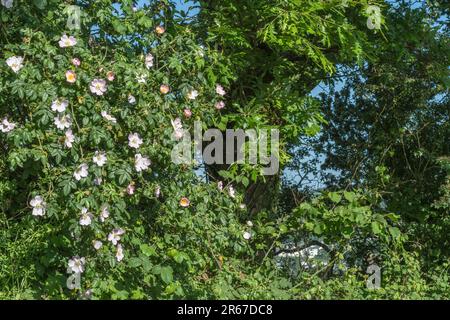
181	4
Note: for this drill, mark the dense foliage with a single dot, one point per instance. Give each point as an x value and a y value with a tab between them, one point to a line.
90	116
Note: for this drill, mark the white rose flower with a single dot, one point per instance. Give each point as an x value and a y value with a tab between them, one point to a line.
157	191
219	105
86	217
192	95
6	126
69	138
141	163
220	91
98	86
142	78
148	61
104	213
114	236
66	41
81	172
15	63
99	158
76	264
97	244
130	189
108	117
119	253
131	99
63	122
247	235
178	129
134	141
59	105
38	205
231	192
71	76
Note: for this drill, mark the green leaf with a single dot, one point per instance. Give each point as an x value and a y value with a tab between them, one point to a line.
137	295
335	197
395	232
41	4
349	196
167	274
134	262
245	181
147	250
146	264
317	229
145	21
119	27
66	189
376	228
176	255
